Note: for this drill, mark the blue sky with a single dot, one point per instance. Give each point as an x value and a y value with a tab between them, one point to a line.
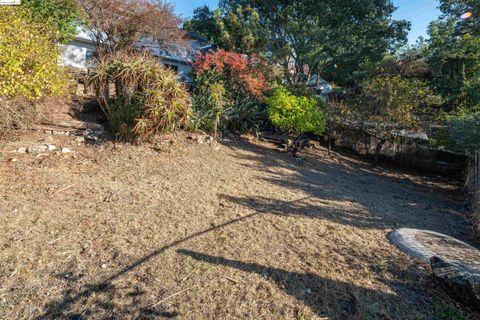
419	12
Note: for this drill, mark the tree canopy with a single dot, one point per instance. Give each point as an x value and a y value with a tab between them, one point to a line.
454	54
387	107
61	15
308	37
118	25
236	29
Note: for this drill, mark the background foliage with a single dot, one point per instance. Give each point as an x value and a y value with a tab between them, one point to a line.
118	25
62	16
464	131
453	54
388	108
229	91
305	37
237	29
28	57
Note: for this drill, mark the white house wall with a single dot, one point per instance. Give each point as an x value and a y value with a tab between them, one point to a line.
76	54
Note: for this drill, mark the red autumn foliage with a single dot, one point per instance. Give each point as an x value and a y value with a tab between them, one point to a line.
245	73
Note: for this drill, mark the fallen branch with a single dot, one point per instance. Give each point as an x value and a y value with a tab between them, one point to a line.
171	296
232	280
67	187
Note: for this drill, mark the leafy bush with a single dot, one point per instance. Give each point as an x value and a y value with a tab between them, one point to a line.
464	131
218	109
209	105
149	99
229	92
295	114
28	59
60	15
389	106
245	114
240	73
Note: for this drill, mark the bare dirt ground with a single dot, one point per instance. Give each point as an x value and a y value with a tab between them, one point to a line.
229	231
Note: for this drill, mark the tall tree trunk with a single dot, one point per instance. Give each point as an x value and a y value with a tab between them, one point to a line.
378	149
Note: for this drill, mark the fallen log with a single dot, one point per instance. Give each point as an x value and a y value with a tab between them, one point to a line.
75	124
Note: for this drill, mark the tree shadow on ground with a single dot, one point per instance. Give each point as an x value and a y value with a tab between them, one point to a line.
326	297
348	192
322	184
103	292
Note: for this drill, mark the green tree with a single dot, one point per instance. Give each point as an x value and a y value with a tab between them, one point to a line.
61	15
298	115
306	37
464	131
235	29
387	108
241	31
454	54
204	22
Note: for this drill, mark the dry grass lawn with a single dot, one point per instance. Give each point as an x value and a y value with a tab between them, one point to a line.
236	232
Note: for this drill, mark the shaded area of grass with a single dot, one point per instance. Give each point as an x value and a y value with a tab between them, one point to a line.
61	307
369	198
308	288
258	235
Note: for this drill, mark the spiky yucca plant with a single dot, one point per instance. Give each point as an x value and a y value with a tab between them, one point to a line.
148	97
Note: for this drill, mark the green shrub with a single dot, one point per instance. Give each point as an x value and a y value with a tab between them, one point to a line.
61	16
464	131
219	108
28	59
245	114
295	114
386	106
149	99
209	102
229	92
446	312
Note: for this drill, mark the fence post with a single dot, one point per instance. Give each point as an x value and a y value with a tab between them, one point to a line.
477	171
